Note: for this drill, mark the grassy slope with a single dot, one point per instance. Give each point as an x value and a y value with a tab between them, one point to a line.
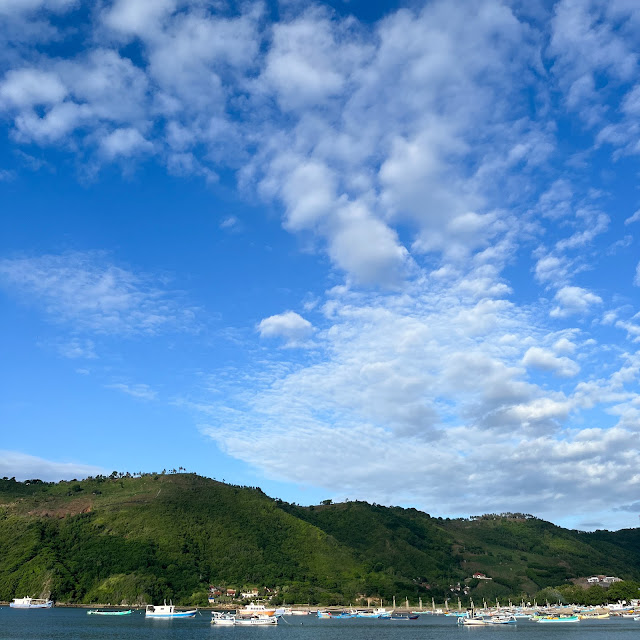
167	536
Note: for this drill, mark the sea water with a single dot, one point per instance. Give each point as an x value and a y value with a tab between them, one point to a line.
65	624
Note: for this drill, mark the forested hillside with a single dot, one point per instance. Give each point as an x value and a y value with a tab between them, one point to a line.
143	539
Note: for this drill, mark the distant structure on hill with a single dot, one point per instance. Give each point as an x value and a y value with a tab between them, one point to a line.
603	581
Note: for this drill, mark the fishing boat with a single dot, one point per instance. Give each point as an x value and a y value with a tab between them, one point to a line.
167	611
31	603
380	612
502	619
474	621
253	609
260	620
403	616
99	612
223	619
552	618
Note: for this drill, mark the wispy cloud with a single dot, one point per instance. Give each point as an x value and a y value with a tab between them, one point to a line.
140	391
88	293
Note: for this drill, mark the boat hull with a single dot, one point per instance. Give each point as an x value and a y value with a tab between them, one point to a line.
109	613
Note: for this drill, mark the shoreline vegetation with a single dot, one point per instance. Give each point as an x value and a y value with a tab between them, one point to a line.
147	537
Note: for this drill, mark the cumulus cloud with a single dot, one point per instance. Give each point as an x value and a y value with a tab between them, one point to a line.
539	358
289	325
574	300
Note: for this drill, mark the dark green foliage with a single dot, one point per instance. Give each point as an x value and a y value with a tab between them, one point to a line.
124	539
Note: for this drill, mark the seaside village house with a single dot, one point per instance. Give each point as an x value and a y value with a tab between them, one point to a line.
480	576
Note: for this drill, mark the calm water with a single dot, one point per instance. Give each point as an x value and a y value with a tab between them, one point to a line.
55	624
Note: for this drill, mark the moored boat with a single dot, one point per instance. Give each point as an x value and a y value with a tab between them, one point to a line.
31	603
253	609
472	622
260	620
99	612
502	619
552	618
167	611
223	619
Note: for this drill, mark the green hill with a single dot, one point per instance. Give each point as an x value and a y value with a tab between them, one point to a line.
144	539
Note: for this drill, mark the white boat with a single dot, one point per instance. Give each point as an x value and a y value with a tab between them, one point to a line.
257	620
223	619
167	611
380	612
472	622
502	619
31	603
253	609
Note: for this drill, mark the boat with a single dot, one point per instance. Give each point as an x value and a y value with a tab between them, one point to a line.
223	619
31	603
253	609
167	611
257	620
552	618
593	616
502	619
98	612
403	616
474	621
380	612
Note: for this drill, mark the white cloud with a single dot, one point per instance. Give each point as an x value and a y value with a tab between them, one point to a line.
539	358
30	87
573	300
139	391
87	292
125	142
289	325
27	467
634	218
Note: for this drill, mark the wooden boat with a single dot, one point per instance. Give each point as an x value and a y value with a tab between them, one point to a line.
98	612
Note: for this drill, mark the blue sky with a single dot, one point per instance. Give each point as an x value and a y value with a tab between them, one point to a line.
384	252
